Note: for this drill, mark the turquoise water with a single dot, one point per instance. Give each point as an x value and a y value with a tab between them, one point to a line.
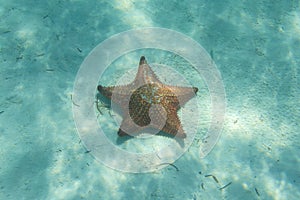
255	45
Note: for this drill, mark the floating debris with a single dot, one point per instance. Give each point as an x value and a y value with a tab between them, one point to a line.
4	32
102	105
174	166
202	186
14	99
98	107
73	101
2	111
259	52
211	54
256	191
39	55
19	58
171	165
215	178
78	49
225	186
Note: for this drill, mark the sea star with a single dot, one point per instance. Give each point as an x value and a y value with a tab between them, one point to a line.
147	102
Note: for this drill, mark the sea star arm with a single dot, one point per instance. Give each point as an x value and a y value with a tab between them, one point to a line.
118	94
173	126
128	127
145	75
183	94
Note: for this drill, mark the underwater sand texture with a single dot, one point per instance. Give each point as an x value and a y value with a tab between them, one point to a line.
255	45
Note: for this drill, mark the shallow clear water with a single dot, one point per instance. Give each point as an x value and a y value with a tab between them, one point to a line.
255	45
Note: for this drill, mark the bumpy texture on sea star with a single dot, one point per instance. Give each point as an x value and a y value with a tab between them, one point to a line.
148	102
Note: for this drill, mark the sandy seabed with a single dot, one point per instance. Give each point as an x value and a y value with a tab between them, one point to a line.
255	45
